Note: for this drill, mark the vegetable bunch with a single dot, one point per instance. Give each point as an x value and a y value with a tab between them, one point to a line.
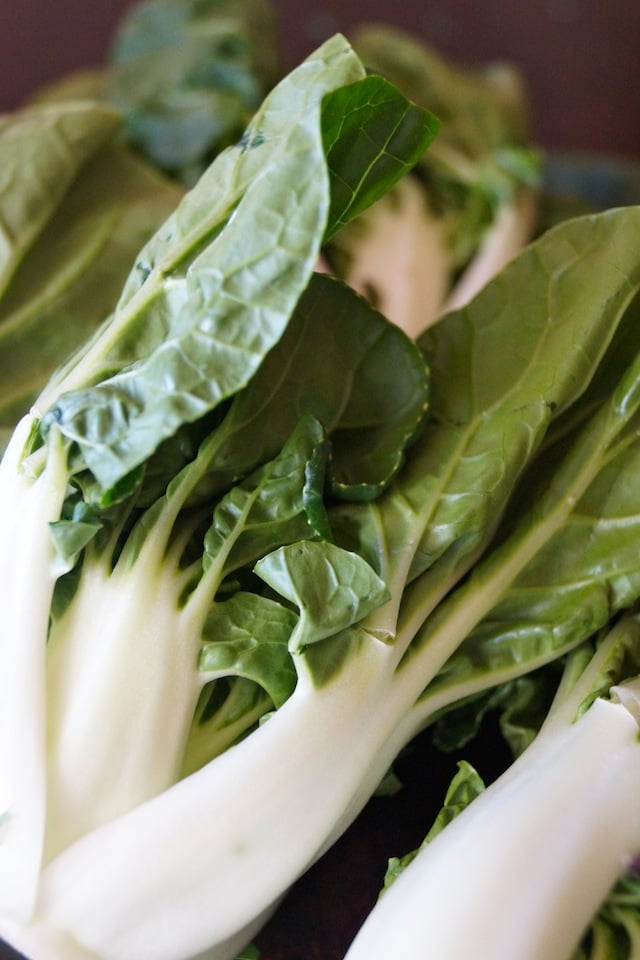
158	492
255	538
553	841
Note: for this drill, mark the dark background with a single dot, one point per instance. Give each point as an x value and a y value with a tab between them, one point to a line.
580	58
581	63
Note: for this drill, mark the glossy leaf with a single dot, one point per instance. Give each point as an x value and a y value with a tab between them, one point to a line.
247	636
373	136
332	588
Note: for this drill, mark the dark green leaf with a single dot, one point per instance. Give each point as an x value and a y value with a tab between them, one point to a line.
188	75
373	136
248	636
270	507
332	588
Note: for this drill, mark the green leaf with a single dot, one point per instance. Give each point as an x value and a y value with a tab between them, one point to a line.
249	953
188	74
480	107
42	150
501	370
71	277
570	564
201	322
213	291
389	388
371	397
71	536
248	636
373	136
332	588
483	153
271	506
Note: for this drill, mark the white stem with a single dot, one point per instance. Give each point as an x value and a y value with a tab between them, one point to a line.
521	872
123	683
190	869
510	232
27	578
38	941
403	261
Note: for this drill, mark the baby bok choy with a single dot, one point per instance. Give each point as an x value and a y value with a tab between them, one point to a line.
523	869
76	205
471	203
184	443
385	609
251	514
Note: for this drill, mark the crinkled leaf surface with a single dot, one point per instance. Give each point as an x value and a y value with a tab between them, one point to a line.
212	293
248	636
279	503
332	587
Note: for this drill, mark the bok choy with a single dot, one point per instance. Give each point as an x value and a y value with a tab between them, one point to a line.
471	203
76	207
523	868
273	537
182	445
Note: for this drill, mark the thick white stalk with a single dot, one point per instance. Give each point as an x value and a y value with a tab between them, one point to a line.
27	577
506	237
521	872
193	867
39	941
123	682
403	260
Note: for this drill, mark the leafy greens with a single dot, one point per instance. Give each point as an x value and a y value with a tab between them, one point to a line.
257	534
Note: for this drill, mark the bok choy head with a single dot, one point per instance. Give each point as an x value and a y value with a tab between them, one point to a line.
197	433
397	599
470	204
543	862
263	532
